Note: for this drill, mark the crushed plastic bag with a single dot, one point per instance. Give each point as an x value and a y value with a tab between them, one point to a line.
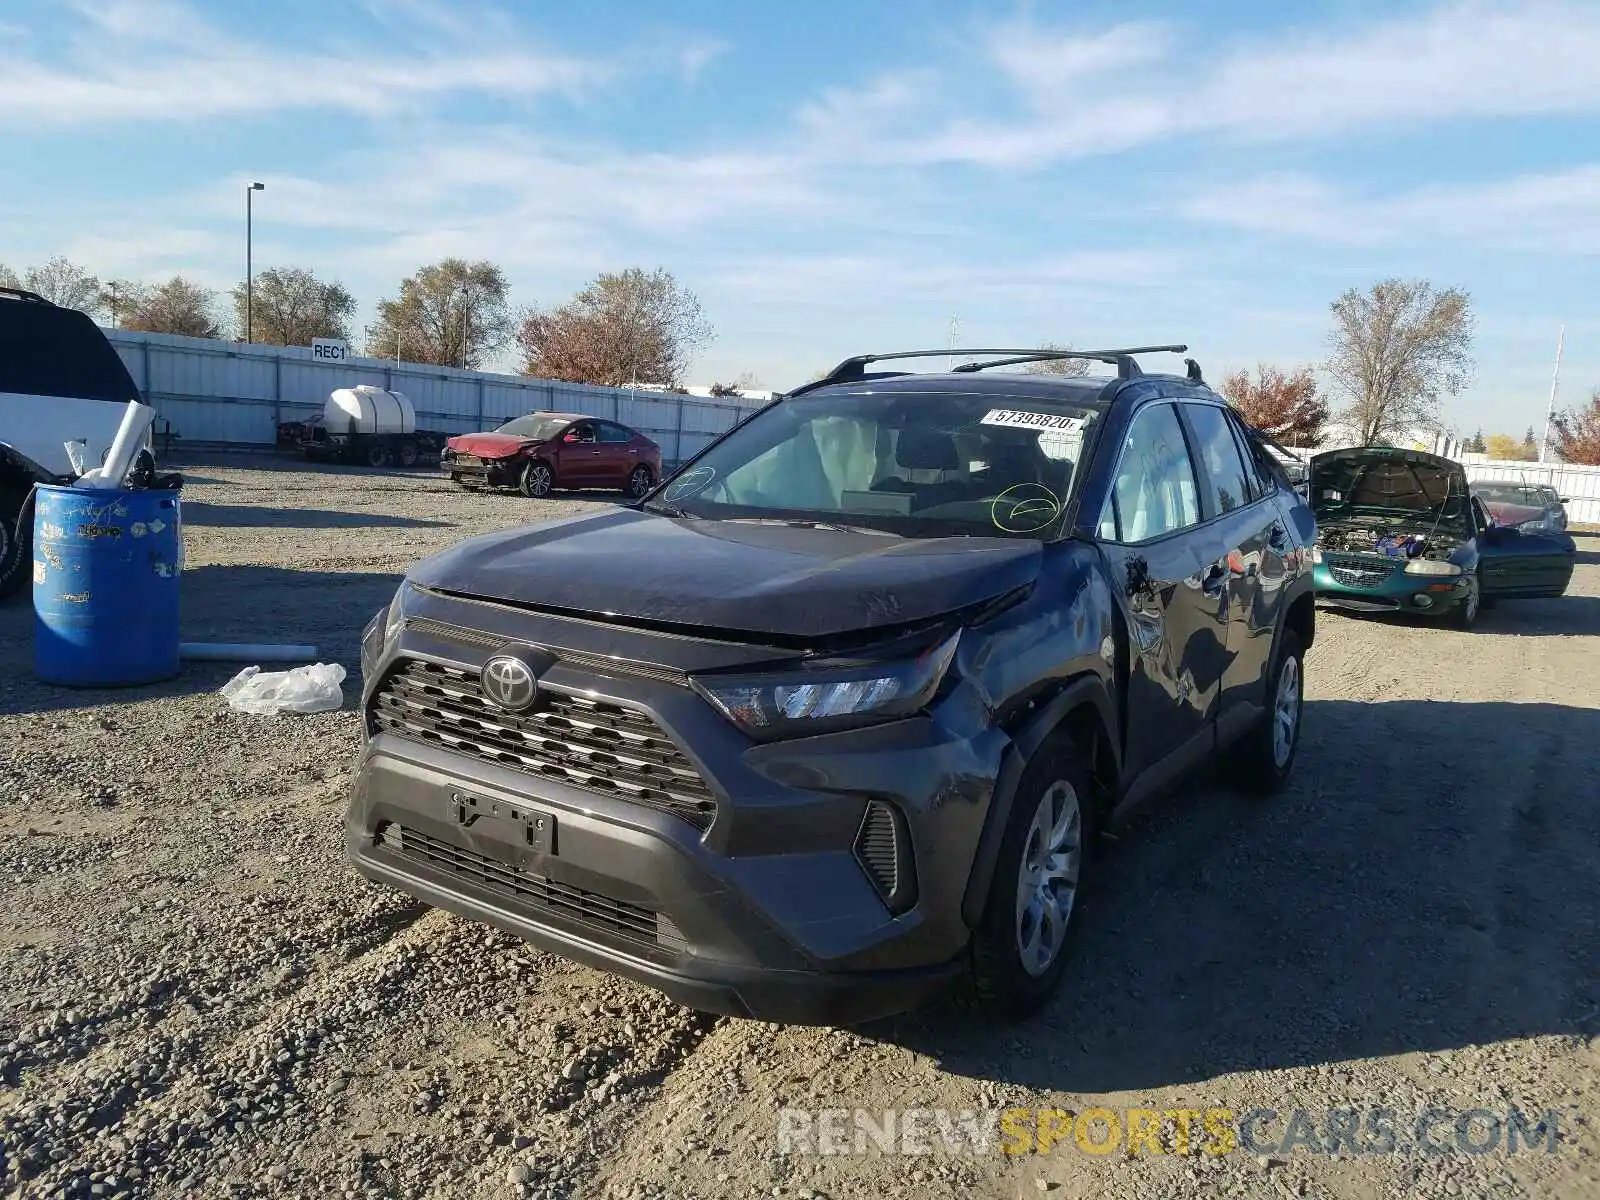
301	690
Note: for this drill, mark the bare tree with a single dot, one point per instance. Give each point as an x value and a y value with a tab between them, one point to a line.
63	282
1058	366
8	277
1396	349
634	326
453	313
1578	433
176	306
1286	407
290	306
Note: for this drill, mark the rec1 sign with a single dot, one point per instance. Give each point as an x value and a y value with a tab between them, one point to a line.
329	350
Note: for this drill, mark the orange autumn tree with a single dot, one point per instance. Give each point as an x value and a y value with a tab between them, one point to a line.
1287	407
1578	433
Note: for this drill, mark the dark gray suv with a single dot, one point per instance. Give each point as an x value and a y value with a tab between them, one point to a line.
830	718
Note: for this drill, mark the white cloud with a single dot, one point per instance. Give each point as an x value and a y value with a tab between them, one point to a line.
1551	212
148	60
1082	94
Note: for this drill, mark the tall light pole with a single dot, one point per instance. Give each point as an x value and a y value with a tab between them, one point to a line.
1555	382
249	220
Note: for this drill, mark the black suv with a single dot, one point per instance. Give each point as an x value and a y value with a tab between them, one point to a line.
830	718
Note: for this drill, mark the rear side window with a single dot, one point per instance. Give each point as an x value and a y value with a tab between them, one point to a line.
614	433
1222	472
50	351
1154	492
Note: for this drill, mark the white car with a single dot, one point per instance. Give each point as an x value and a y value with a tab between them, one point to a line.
60	381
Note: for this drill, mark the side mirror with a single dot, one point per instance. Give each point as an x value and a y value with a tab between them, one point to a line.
1562	500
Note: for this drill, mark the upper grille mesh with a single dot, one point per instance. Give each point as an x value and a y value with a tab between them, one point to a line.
586	743
1358	571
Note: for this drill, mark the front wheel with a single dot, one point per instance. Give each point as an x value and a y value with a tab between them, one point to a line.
1265	756
1466	613
408	455
1020	947
377	456
537	480
639	482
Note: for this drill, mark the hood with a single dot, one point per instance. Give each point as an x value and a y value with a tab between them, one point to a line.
731	577
489	445
1508	513
1379	480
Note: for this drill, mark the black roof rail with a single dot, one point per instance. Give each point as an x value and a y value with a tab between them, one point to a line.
24	294
853	369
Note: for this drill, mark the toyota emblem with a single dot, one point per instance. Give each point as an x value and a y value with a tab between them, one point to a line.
509	683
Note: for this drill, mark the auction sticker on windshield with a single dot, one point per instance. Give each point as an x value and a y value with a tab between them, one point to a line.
1017	419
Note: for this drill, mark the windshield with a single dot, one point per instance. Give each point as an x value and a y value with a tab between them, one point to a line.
1383	487
535	427
50	351
1509	493
925	464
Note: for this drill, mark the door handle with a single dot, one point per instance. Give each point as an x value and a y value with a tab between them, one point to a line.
633	452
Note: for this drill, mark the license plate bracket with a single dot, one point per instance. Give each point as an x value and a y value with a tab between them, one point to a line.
529	830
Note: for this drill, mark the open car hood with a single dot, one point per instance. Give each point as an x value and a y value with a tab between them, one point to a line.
1379	480
489	445
730	577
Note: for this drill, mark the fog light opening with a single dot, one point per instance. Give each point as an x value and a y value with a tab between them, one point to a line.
1422	600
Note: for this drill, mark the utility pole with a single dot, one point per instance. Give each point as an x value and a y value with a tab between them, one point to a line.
1555	382
249	220
955	334
112	288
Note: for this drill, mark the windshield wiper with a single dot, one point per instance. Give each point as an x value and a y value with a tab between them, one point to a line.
668	510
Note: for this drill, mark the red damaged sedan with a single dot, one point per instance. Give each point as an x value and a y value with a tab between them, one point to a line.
543	451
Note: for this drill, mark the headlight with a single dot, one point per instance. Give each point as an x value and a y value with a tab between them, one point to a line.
1537	525
831	695
1316	554
1429	566
397	611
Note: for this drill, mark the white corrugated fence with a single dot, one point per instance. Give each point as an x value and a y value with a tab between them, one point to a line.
230	393
1580	485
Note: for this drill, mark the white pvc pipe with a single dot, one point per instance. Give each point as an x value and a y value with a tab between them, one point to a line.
136	418
246	652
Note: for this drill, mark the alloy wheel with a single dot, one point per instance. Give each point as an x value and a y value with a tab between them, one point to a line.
639	482
539	481
1286	712
1047	878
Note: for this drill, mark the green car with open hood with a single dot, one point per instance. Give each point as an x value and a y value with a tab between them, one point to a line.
1400	531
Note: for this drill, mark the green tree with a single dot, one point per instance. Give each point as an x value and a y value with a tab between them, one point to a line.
453	313
288	306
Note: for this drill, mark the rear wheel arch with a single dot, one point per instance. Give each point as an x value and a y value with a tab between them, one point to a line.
1301	618
1079	719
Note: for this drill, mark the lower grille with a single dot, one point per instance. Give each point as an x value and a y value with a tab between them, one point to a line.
602	914
1358	572
883	849
585	743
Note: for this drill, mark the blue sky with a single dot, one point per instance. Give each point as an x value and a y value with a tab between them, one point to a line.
833	178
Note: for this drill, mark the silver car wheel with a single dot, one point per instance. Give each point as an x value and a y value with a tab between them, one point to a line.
1286	712
1047	878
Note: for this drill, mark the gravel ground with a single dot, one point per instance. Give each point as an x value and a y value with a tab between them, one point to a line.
198	997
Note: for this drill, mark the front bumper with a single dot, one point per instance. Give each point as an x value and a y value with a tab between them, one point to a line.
1418	595
765	913
485	472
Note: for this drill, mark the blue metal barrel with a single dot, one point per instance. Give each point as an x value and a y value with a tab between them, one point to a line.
105	586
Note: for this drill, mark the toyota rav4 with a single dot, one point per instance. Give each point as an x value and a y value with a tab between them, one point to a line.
830	719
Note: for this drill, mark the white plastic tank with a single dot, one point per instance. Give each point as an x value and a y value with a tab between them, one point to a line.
368	409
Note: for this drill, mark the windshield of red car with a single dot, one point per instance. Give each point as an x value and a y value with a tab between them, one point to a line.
538	429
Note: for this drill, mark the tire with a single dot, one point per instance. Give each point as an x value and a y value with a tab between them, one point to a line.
640	481
1016	960
538	480
408	455
377	456
16	538
1264	760
1466	614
